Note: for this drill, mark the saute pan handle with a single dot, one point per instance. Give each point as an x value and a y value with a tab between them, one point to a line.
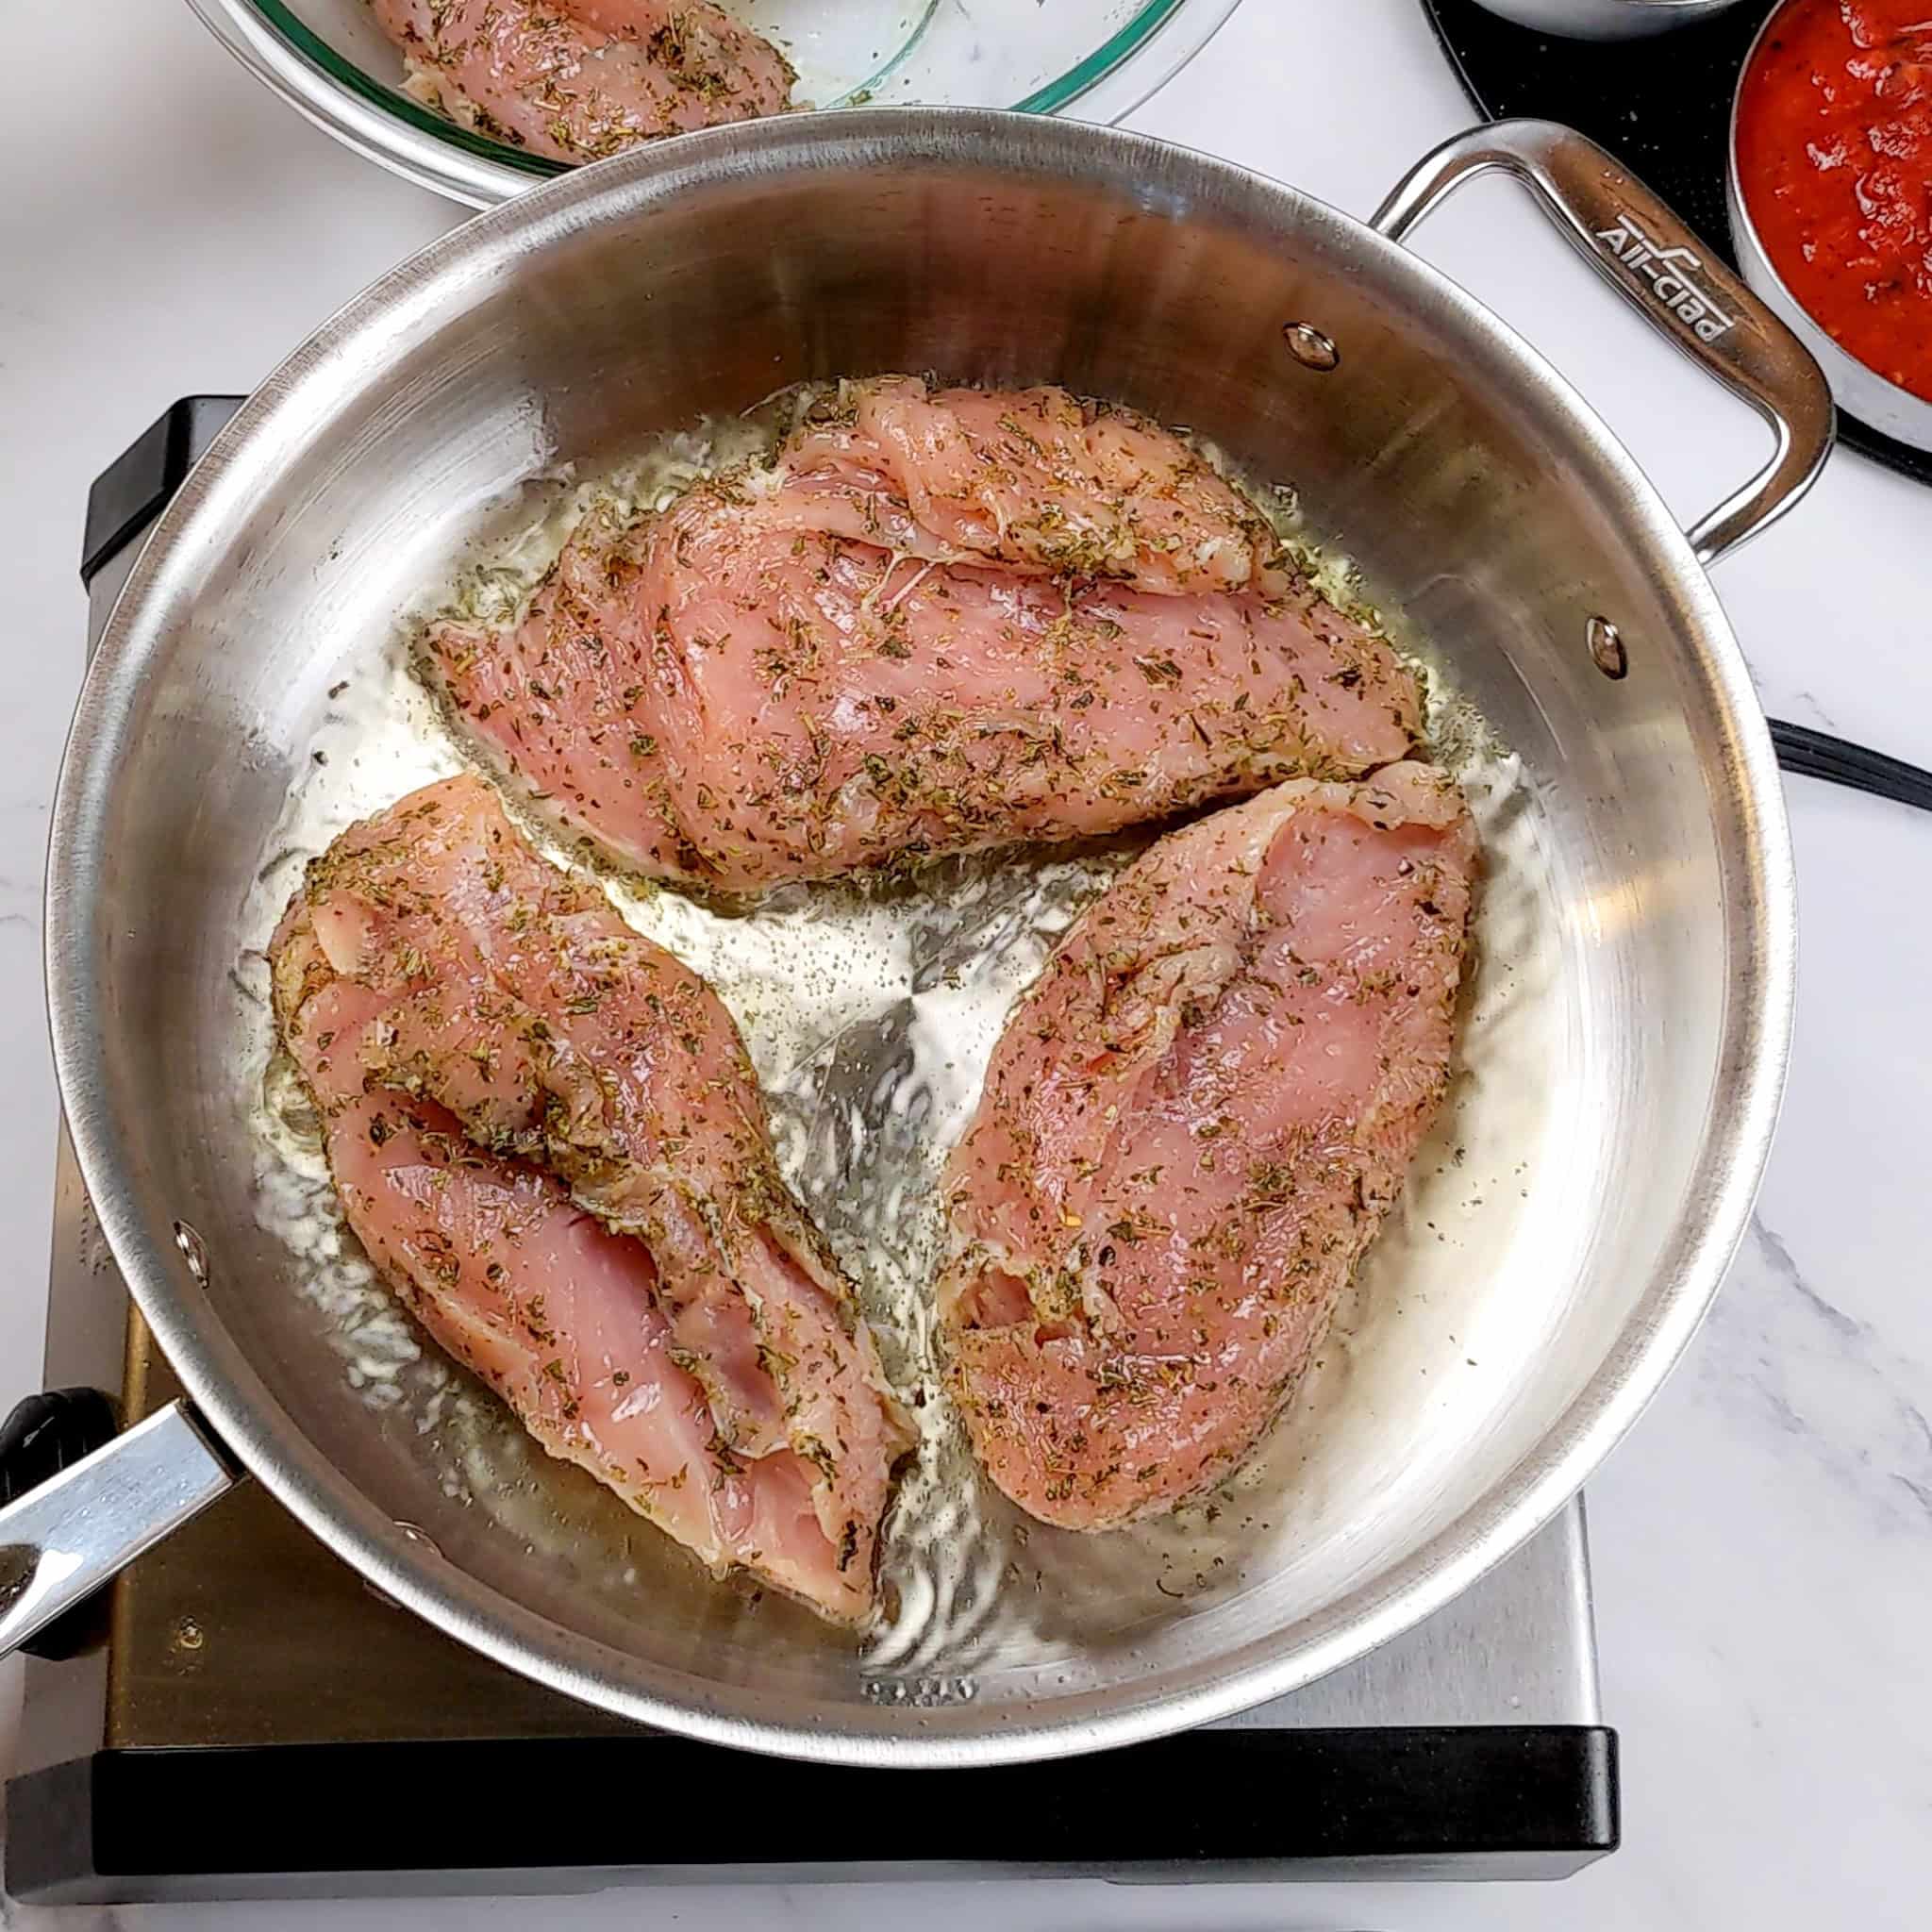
1660	268
63	1538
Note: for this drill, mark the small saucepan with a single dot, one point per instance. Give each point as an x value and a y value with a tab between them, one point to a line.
1607	20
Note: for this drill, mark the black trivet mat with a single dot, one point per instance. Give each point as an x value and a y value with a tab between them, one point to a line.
1662	106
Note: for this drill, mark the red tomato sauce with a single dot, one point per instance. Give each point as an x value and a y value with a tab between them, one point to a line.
1835	164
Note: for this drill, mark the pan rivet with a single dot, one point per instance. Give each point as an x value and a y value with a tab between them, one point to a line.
193	1251
1607	647
1310	346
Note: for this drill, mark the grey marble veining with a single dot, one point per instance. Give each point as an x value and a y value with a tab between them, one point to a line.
1836	1383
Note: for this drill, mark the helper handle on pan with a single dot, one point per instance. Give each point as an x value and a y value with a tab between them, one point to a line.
63	1538
1661	269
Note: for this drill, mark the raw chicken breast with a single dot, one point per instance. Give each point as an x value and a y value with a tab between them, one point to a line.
1190	1131
499	1058
734	695
579	79
1034	478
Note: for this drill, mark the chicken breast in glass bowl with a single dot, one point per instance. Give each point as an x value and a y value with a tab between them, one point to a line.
477	99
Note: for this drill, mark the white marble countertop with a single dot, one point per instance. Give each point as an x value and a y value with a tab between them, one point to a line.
1763	1542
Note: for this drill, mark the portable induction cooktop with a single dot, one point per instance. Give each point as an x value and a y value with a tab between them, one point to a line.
204	1731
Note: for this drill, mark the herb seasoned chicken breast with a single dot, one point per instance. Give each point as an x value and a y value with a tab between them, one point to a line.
936	624
1192	1130
1032	478
547	1134
579	79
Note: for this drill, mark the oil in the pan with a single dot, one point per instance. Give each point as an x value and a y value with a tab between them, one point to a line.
870	1015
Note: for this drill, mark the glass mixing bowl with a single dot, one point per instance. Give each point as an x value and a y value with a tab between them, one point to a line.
330	61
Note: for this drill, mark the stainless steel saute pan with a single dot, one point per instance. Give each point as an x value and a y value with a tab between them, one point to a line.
1631	1009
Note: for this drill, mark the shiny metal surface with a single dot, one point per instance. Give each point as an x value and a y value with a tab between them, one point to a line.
1641	998
1517	1647
243	1630
1654	261
1606	19
235	1630
61	1542
1860	391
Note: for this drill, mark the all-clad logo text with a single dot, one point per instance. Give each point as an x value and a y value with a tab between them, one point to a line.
1669	272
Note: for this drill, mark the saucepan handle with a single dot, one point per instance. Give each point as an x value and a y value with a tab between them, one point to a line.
64	1537
1661	269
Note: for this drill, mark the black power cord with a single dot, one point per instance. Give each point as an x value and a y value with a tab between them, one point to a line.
1836	760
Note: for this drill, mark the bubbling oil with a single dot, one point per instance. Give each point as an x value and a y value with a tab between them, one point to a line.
870	1012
